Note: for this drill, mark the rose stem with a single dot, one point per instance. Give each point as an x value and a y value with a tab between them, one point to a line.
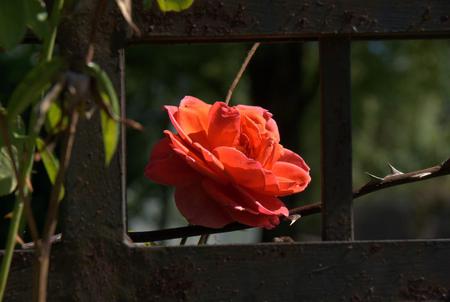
241	71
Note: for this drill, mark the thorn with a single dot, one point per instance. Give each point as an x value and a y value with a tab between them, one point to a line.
293	218
374	177
446	163
394	171
285	239
422	175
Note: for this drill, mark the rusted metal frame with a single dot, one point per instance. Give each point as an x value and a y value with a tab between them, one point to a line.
327	271
336	143
246	20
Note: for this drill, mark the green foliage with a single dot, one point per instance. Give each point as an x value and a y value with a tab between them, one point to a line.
16	15
55	120
13	21
51	163
110	113
8	181
37	18
174	5
31	87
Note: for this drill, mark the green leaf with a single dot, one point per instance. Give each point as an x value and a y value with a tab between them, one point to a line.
174	5
110	127
16	131
51	163
37	18
12	22
32	86
53	122
8	181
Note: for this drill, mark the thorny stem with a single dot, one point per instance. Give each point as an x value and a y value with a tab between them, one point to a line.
43	257
241	71
390	180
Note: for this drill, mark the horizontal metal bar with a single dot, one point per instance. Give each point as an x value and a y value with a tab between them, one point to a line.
362	271
244	20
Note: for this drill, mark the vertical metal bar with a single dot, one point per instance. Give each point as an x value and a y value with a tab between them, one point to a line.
123	141
92	210
336	146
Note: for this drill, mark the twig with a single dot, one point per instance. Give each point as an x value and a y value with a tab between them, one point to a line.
45	104
126	122
203	239
390	180
43	256
241	71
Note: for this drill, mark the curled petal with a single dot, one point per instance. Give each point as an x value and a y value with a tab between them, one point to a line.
166	167
198	207
244	171
191	158
293	158
172	111
262	118
224	125
268	205
244	207
192	117
291	178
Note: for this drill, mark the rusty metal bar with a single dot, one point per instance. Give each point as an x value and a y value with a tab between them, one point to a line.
328	271
336	149
246	20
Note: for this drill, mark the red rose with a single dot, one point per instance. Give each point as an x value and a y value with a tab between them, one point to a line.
226	164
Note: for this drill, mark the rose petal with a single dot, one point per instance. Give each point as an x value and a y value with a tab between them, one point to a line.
199	208
192	117
291	178
261	117
166	167
241	207
172	111
293	158
224	125
267	204
188	155
244	171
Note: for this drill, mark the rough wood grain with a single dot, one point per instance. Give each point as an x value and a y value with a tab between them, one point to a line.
238	20
328	271
336	139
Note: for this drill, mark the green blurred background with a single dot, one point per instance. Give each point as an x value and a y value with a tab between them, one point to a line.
401	115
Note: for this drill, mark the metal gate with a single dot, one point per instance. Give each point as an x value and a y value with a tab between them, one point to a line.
95	261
